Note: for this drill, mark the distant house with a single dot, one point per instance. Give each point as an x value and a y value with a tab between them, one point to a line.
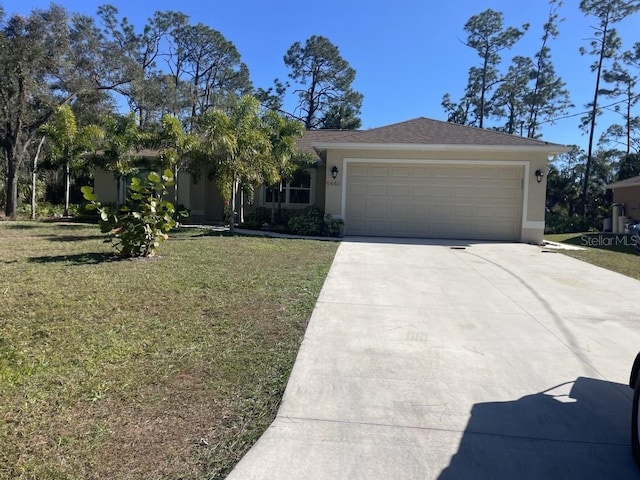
627	193
419	178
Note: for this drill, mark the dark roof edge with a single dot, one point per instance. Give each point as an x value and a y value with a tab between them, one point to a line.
552	148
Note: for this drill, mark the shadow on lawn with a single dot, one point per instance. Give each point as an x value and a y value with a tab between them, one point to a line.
206	233
21	226
79	259
74	238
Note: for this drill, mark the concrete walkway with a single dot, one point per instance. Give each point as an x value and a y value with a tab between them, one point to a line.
436	360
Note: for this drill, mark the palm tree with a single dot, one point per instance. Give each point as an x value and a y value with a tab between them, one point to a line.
239	147
119	152
68	142
282	137
174	144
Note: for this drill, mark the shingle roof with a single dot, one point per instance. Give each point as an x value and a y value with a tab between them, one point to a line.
305	143
629	182
421	131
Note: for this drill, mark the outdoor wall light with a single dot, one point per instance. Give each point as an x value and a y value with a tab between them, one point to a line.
334	172
539	174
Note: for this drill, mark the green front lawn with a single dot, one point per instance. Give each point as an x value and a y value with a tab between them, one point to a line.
158	368
603	250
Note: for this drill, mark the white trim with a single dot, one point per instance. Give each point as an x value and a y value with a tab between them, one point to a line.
526	223
550	148
533	224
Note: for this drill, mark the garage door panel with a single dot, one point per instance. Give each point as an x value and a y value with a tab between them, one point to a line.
378	172
420	191
400	172
461	212
358	189
399	210
357	209
463	192
440	201
418	173
358	171
376	210
399	190
508	173
378	190
441	192
498	194
465	172
417	212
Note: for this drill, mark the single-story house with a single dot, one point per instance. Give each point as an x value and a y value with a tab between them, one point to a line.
627	193
419	178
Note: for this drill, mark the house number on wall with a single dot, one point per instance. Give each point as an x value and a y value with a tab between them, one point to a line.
333	183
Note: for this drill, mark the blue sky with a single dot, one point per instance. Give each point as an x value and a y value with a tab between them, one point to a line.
407	53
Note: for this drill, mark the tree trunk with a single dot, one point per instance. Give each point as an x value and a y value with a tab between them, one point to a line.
118	179
67	187
592	126
175	186
629	100
34	178
12	183
483	92
280	202
273	207
232	214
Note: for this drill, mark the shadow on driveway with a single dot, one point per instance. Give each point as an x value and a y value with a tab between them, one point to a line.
577	430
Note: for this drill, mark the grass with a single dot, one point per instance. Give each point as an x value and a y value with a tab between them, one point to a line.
160	368
612	255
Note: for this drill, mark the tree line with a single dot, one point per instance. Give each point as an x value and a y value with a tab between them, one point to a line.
65	78
522	95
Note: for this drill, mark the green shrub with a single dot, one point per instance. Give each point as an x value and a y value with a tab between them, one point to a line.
251	225
309	221
333	226
260	215
46	210
559	222
138	227
285	215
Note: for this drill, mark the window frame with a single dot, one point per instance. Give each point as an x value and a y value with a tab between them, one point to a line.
286	190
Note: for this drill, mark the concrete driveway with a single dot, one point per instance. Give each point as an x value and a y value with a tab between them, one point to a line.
447	360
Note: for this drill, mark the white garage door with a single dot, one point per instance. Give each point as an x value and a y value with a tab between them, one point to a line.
434	201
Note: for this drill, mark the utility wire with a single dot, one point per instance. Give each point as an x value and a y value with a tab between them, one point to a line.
589	111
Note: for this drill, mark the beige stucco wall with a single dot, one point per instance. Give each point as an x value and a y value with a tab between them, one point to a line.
319	186
196	194
214	204
534	203
105	186
630	197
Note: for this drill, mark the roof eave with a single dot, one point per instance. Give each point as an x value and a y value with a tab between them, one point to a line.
614	186
549	149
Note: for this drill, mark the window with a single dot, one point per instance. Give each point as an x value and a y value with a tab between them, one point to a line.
296	191
300	188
